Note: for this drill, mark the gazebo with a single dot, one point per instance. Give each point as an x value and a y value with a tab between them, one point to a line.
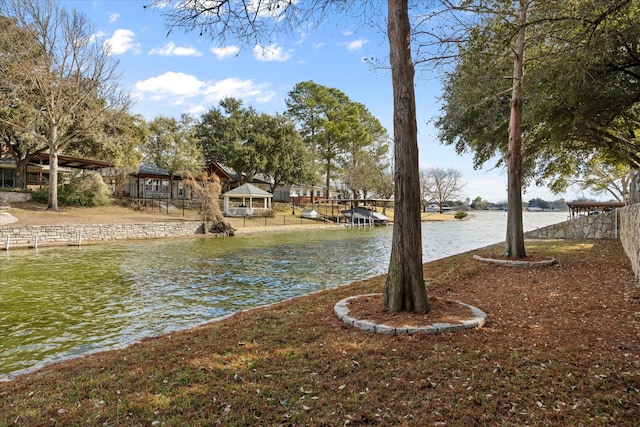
246	200
588	208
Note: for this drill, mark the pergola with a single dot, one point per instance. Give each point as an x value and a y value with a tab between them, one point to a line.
40	166
587	208
73	162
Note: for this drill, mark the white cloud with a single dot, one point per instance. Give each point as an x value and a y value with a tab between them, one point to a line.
270	53
357	44
170	49
162	4
196	110
225	52
122	41
233	87
303	37
265	97
174	88
97	36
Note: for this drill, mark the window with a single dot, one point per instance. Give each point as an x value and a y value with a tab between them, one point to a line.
156	185
6	178
151	185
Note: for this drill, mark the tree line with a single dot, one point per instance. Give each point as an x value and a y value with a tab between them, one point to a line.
546	89
61	96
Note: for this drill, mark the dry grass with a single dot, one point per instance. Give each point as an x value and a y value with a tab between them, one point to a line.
561	347
30	213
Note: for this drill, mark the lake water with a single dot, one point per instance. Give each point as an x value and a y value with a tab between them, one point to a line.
57	303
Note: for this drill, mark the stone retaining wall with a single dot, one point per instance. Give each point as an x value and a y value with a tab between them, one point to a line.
7	197
41	235
623	223
601	226
630	235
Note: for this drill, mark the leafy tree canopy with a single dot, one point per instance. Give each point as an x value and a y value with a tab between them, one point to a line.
172	145
581	92
250	143
52	66
344	136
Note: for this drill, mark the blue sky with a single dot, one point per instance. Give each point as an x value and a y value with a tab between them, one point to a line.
184	73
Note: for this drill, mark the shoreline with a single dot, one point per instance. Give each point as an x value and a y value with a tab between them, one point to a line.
74	229
39	236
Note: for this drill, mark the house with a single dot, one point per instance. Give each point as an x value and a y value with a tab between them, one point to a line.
148	182
214	168
246	200
38	169
295	194
299	194
237	179
151	182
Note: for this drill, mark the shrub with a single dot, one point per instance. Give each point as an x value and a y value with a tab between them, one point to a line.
41	195
461	215
83	191
15	190
267	213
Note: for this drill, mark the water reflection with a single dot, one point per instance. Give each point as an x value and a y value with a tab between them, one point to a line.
60	302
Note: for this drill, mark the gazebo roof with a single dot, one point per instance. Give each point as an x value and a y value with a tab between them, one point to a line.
595	205
248	190
577	208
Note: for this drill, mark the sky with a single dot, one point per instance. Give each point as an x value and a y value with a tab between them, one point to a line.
174	73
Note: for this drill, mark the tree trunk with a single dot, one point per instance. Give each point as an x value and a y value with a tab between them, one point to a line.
20	174
405	288
326	183
53	168
120	176
515	233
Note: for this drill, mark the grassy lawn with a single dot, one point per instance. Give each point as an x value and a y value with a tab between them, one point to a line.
561	347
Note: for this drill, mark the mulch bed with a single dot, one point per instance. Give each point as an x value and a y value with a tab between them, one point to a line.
440	311
561	347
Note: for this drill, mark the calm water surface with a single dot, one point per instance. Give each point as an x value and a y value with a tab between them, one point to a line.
57	303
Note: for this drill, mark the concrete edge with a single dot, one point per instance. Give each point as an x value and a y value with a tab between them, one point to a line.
517	263
341	310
